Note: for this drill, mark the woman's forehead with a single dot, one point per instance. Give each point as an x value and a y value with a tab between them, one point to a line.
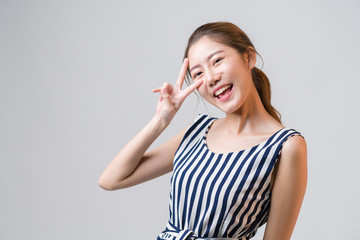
204	49
205	46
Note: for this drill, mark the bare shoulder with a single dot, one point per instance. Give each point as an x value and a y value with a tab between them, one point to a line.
294	145
294	151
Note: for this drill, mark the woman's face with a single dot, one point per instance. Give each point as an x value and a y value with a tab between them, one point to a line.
225	73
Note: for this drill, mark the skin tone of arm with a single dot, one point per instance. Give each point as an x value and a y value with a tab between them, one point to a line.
133	165
288	190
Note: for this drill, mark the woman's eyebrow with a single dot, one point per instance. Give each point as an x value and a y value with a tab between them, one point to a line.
208	58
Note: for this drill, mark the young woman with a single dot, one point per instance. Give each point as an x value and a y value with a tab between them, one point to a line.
230	175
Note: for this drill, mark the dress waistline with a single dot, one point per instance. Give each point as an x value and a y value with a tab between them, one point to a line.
186	235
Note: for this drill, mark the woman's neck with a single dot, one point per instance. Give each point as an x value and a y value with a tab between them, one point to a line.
250	117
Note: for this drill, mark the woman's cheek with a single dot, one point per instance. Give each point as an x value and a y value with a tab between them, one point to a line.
202	91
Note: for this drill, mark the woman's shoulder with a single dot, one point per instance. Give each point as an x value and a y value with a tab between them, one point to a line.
292	137
201	117
294	145
295	142
199	124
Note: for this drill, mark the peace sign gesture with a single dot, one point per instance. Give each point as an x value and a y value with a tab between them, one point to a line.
171	97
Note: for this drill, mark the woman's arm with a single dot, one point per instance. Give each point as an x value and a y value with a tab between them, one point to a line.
288	190
132	165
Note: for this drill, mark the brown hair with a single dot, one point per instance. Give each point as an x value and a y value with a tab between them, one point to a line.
232	36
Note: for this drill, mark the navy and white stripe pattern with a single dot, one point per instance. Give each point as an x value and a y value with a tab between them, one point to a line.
216	195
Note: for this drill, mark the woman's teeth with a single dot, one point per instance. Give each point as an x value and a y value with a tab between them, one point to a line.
221	90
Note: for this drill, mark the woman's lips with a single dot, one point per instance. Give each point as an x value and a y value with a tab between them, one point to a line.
223	92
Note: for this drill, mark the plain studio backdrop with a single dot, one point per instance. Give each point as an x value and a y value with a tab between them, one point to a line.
76	80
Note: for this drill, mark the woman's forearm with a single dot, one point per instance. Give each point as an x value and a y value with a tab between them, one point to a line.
126	161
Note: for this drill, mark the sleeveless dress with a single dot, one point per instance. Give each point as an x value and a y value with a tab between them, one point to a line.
220	195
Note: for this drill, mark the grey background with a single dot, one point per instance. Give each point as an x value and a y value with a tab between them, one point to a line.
76	79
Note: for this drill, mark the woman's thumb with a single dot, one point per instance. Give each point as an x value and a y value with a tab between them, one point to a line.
165	88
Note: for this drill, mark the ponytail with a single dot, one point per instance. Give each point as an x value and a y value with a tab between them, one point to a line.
263	88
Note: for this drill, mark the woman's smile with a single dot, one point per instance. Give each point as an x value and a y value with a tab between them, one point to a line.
222	93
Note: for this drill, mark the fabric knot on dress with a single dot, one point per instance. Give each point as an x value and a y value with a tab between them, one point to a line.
177	234
185	235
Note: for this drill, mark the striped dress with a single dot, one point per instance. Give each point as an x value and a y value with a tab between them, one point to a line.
220	195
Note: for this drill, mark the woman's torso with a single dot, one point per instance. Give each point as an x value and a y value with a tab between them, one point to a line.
222	195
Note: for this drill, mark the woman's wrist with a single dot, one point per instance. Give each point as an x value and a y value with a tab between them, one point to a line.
158	123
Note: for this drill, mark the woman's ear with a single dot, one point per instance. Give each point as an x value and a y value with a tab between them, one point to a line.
250	57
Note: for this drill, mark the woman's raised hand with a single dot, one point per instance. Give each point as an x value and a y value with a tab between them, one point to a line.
171	97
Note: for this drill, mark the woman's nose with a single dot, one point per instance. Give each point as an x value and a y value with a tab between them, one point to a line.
212	78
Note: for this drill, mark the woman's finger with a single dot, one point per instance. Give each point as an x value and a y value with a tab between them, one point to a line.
155	90
192	87
182	74
165	88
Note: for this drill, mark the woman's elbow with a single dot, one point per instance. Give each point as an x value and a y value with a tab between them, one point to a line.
107	185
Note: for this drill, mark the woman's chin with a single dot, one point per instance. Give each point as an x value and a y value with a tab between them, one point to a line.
228	109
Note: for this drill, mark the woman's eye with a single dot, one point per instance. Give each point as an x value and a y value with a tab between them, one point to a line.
217	60
197	74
